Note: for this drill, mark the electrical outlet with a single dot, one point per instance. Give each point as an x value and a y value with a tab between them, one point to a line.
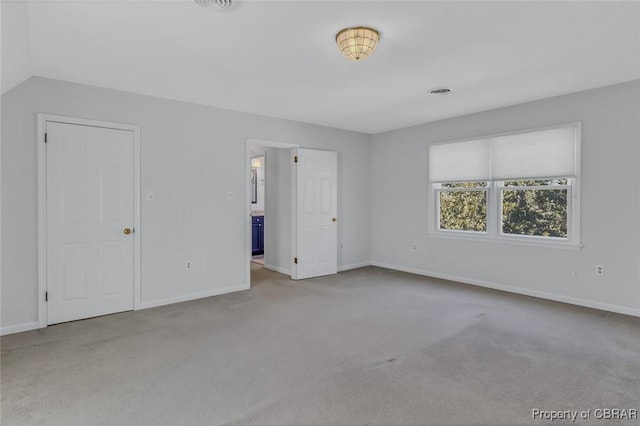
188	265
342	245
414	247
599	269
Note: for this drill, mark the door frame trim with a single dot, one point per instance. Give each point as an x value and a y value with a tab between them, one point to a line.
42	204
247	196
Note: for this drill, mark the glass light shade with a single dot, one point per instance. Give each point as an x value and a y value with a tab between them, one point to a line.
357	43
255	163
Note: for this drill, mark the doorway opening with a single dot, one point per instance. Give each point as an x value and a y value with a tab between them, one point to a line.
258	186
298	225
269	209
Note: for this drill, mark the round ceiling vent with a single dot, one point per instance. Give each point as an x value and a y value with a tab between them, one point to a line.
220	4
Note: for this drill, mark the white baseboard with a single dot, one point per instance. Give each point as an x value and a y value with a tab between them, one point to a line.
19	328
277	269
353	266
340	268
534	293
193	296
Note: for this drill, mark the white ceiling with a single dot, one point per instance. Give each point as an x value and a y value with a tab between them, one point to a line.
279	58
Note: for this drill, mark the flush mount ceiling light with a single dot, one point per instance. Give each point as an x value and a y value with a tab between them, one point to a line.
222	4
357	43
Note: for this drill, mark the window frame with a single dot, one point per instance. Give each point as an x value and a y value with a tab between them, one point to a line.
494	190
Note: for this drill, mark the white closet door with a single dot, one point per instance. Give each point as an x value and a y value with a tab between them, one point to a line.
90	209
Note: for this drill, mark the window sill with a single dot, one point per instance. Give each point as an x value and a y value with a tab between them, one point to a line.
525	242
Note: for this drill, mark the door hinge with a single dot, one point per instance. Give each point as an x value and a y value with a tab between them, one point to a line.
295	159
45	138
46	296
295	260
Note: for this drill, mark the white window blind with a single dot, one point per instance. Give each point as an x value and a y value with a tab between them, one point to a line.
460	162
542	154
538	154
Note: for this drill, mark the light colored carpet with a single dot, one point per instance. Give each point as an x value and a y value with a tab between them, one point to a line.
368	346
258	259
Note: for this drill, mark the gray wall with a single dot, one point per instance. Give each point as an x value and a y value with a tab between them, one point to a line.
192	156
277	231
16	49
610	207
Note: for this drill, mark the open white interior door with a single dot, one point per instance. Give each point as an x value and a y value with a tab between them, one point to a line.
315	241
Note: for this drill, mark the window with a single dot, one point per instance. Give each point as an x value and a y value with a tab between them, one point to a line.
462	206
535	207
513	187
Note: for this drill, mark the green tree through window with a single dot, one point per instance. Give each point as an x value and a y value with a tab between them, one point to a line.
464	206
529	207
539	210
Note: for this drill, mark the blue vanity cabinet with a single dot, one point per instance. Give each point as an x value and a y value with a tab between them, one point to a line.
257	235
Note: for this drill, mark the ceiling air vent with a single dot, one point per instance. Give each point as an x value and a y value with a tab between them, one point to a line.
219	4
441	91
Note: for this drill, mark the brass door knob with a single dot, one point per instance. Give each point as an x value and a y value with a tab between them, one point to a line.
127	231
335	219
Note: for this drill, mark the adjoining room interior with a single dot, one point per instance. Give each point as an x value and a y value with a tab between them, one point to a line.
274	212
258	187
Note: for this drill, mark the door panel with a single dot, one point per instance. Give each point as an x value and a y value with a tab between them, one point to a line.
111	257
89	203
74	272
316	244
